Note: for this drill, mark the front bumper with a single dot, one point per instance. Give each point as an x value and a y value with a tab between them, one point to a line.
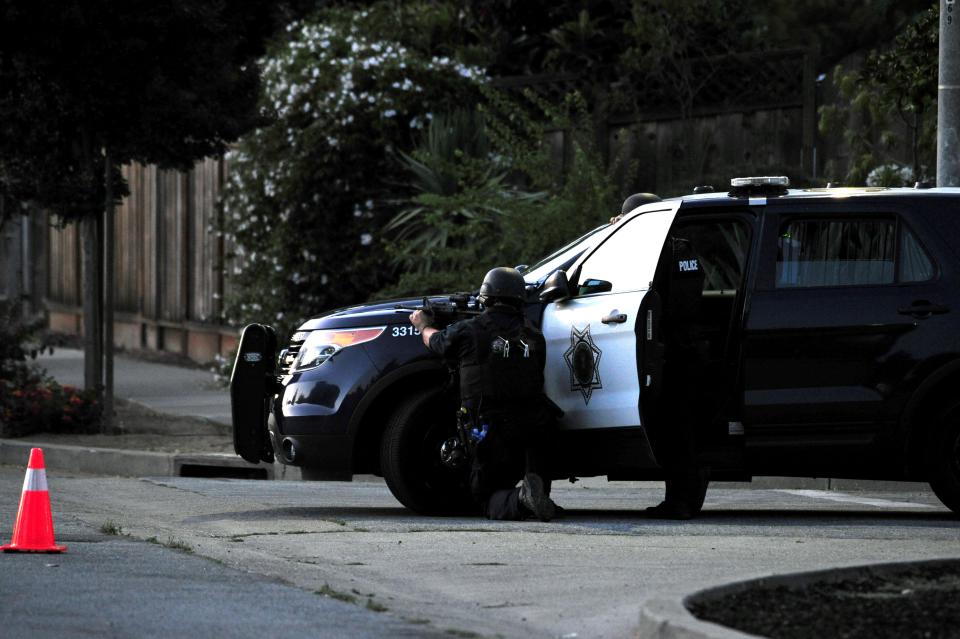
309	420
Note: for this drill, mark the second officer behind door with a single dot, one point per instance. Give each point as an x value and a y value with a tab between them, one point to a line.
500	357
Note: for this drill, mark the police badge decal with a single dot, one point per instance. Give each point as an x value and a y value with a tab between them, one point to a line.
583	360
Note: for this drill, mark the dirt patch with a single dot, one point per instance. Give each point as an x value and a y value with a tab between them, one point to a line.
923	601
139	428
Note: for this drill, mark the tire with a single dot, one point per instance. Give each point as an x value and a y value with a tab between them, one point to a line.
943	459
410	456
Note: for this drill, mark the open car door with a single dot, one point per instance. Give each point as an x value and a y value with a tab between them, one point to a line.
603	341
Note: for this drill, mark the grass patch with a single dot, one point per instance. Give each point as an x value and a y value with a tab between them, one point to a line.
465	634
177	544
418	621
370	604
376	606
110	527
172	542
327	591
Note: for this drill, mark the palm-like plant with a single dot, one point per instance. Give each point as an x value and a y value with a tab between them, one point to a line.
462	194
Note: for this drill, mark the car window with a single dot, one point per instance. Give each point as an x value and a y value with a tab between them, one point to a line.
721	247
628	258
564	256
915	264
860	252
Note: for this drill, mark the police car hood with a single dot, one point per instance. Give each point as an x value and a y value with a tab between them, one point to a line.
396	311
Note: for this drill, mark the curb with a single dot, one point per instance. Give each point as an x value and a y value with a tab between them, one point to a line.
139	463
670	618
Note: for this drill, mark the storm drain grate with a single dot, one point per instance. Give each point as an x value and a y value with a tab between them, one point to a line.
226	472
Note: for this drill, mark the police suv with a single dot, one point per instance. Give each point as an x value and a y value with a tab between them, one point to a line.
829	325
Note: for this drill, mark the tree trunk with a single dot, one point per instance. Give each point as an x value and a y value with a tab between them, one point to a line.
92	276
92	354
106	424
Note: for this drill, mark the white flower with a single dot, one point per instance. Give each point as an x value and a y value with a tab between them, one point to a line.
890	175
366	239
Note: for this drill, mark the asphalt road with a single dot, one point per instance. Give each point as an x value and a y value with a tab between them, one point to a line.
585	576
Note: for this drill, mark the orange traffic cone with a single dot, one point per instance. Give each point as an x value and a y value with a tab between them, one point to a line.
33	531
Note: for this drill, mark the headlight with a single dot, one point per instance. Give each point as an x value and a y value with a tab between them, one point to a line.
322	345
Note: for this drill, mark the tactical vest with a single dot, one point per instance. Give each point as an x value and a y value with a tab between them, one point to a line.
504	368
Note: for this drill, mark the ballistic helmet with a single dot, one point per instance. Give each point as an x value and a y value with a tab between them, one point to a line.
637	199
502	283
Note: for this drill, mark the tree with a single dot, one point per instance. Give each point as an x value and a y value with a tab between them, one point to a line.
896	90
86	86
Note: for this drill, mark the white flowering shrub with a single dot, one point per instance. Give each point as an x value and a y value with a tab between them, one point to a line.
890	175
307	194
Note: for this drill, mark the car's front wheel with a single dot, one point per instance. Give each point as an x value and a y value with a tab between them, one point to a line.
943	459
410	456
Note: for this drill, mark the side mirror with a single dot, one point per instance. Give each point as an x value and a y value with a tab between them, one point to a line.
555	288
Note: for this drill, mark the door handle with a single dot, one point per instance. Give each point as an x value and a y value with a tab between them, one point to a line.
923	309
615	318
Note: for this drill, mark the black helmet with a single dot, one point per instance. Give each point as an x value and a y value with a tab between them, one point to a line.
502	283
637	199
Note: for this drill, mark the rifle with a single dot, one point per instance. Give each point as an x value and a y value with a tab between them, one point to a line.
442	314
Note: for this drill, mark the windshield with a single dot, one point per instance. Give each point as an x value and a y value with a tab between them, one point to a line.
561	258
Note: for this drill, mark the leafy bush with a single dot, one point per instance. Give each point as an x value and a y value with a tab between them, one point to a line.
487	193
40	405
307	194
30	401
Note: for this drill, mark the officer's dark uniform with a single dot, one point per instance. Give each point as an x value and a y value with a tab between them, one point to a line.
679	282
501	358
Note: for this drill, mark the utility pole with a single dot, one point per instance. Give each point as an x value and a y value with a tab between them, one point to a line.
948	97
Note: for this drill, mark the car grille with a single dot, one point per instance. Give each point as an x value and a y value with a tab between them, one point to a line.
288	356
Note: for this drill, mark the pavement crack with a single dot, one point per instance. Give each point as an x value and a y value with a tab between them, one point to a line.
272	533
506	604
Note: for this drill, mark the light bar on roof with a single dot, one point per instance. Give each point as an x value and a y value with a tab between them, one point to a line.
766	180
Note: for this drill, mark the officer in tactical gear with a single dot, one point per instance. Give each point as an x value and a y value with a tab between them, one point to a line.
500	357
678	281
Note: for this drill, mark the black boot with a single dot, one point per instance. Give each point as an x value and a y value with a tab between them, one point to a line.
674	505
684	496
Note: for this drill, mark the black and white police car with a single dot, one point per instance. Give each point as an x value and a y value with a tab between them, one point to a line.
831	320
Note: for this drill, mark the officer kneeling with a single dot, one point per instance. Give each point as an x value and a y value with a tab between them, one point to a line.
500	357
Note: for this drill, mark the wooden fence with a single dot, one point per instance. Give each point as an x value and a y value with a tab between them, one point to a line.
168	264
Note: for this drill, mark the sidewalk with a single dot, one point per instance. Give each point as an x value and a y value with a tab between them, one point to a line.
174	390
172	421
